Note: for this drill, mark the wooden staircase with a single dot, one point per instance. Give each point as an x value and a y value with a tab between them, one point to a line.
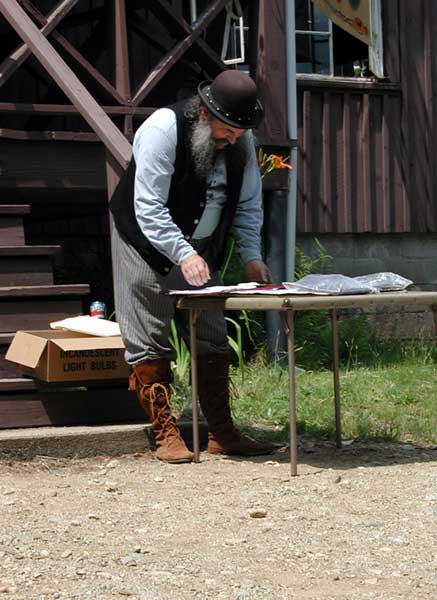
30	300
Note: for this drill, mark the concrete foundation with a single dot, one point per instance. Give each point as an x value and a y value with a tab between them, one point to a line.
411	255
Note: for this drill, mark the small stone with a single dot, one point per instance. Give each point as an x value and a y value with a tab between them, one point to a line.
93	517
159	479
128	561
8	492
66	554
336	479
104	574
259	513
75	523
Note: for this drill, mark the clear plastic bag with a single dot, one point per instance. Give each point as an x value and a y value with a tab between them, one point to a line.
337	284
385	281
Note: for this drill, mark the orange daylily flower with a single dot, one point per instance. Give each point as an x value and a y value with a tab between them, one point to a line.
278	162
270	162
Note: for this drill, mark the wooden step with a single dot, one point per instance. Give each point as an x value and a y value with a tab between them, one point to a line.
69	407
11	224
27	265
14	209
31	291
6	338
32	307
17	384
29	250
7	369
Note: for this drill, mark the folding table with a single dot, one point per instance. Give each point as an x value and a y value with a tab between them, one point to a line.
290	304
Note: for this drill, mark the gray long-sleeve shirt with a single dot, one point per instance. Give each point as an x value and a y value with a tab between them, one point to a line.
154	151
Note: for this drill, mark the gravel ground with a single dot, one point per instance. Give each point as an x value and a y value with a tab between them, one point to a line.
359	523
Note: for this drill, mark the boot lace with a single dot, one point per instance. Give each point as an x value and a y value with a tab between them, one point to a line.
161	410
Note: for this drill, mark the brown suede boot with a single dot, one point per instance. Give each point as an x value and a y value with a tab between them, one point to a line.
151	382
223	436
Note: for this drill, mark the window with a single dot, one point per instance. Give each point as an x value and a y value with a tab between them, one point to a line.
314	47
325	48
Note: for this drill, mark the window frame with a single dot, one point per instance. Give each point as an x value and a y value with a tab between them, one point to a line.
375	48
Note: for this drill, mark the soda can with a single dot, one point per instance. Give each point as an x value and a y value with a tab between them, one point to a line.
98	309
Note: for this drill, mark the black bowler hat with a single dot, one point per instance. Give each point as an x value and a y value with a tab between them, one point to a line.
232	98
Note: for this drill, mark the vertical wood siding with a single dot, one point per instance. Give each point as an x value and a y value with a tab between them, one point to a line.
349	162
368	153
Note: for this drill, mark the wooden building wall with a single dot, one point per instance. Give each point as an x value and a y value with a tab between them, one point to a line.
367	150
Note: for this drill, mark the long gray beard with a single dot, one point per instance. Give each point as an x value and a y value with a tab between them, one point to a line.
203	148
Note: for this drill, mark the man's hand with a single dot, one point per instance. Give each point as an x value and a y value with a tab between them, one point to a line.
258	271
195	270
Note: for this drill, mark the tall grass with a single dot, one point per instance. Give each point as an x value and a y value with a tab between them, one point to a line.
385	402
393	399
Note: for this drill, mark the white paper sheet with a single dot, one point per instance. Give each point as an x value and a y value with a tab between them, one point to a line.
90	325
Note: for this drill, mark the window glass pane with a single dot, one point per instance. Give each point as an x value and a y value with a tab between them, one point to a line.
320	20
309	17
303	15
312	54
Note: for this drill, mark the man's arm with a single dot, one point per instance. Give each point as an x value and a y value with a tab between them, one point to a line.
155	154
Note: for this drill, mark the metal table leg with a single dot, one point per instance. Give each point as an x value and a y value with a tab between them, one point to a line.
434	310
292	392
194	315
335	370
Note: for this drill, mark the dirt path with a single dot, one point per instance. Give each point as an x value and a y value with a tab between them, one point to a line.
360	523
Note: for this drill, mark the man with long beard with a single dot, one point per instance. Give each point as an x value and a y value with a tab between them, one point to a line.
193	178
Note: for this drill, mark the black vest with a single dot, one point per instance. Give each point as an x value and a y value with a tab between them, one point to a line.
186	201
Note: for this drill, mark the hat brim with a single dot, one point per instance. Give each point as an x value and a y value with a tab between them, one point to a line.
245	122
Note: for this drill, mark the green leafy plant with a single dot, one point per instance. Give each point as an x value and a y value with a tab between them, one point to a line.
305	265
237	345
181	363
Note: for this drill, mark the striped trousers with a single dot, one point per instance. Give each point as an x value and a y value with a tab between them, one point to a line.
144	313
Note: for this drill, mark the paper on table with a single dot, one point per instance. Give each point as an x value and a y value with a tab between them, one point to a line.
215	289
249	288
241	288
87	324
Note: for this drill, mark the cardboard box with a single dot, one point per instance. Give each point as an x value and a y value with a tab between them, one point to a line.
56	355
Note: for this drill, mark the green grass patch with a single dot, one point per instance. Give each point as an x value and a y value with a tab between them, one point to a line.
393	402
396	401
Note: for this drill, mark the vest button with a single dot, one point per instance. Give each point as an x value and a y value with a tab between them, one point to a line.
202	204
166	269
187	237
196	221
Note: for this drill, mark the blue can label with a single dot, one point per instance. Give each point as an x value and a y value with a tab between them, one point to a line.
98	309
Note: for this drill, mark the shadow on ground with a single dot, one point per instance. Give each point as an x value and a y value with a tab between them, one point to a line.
321	453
